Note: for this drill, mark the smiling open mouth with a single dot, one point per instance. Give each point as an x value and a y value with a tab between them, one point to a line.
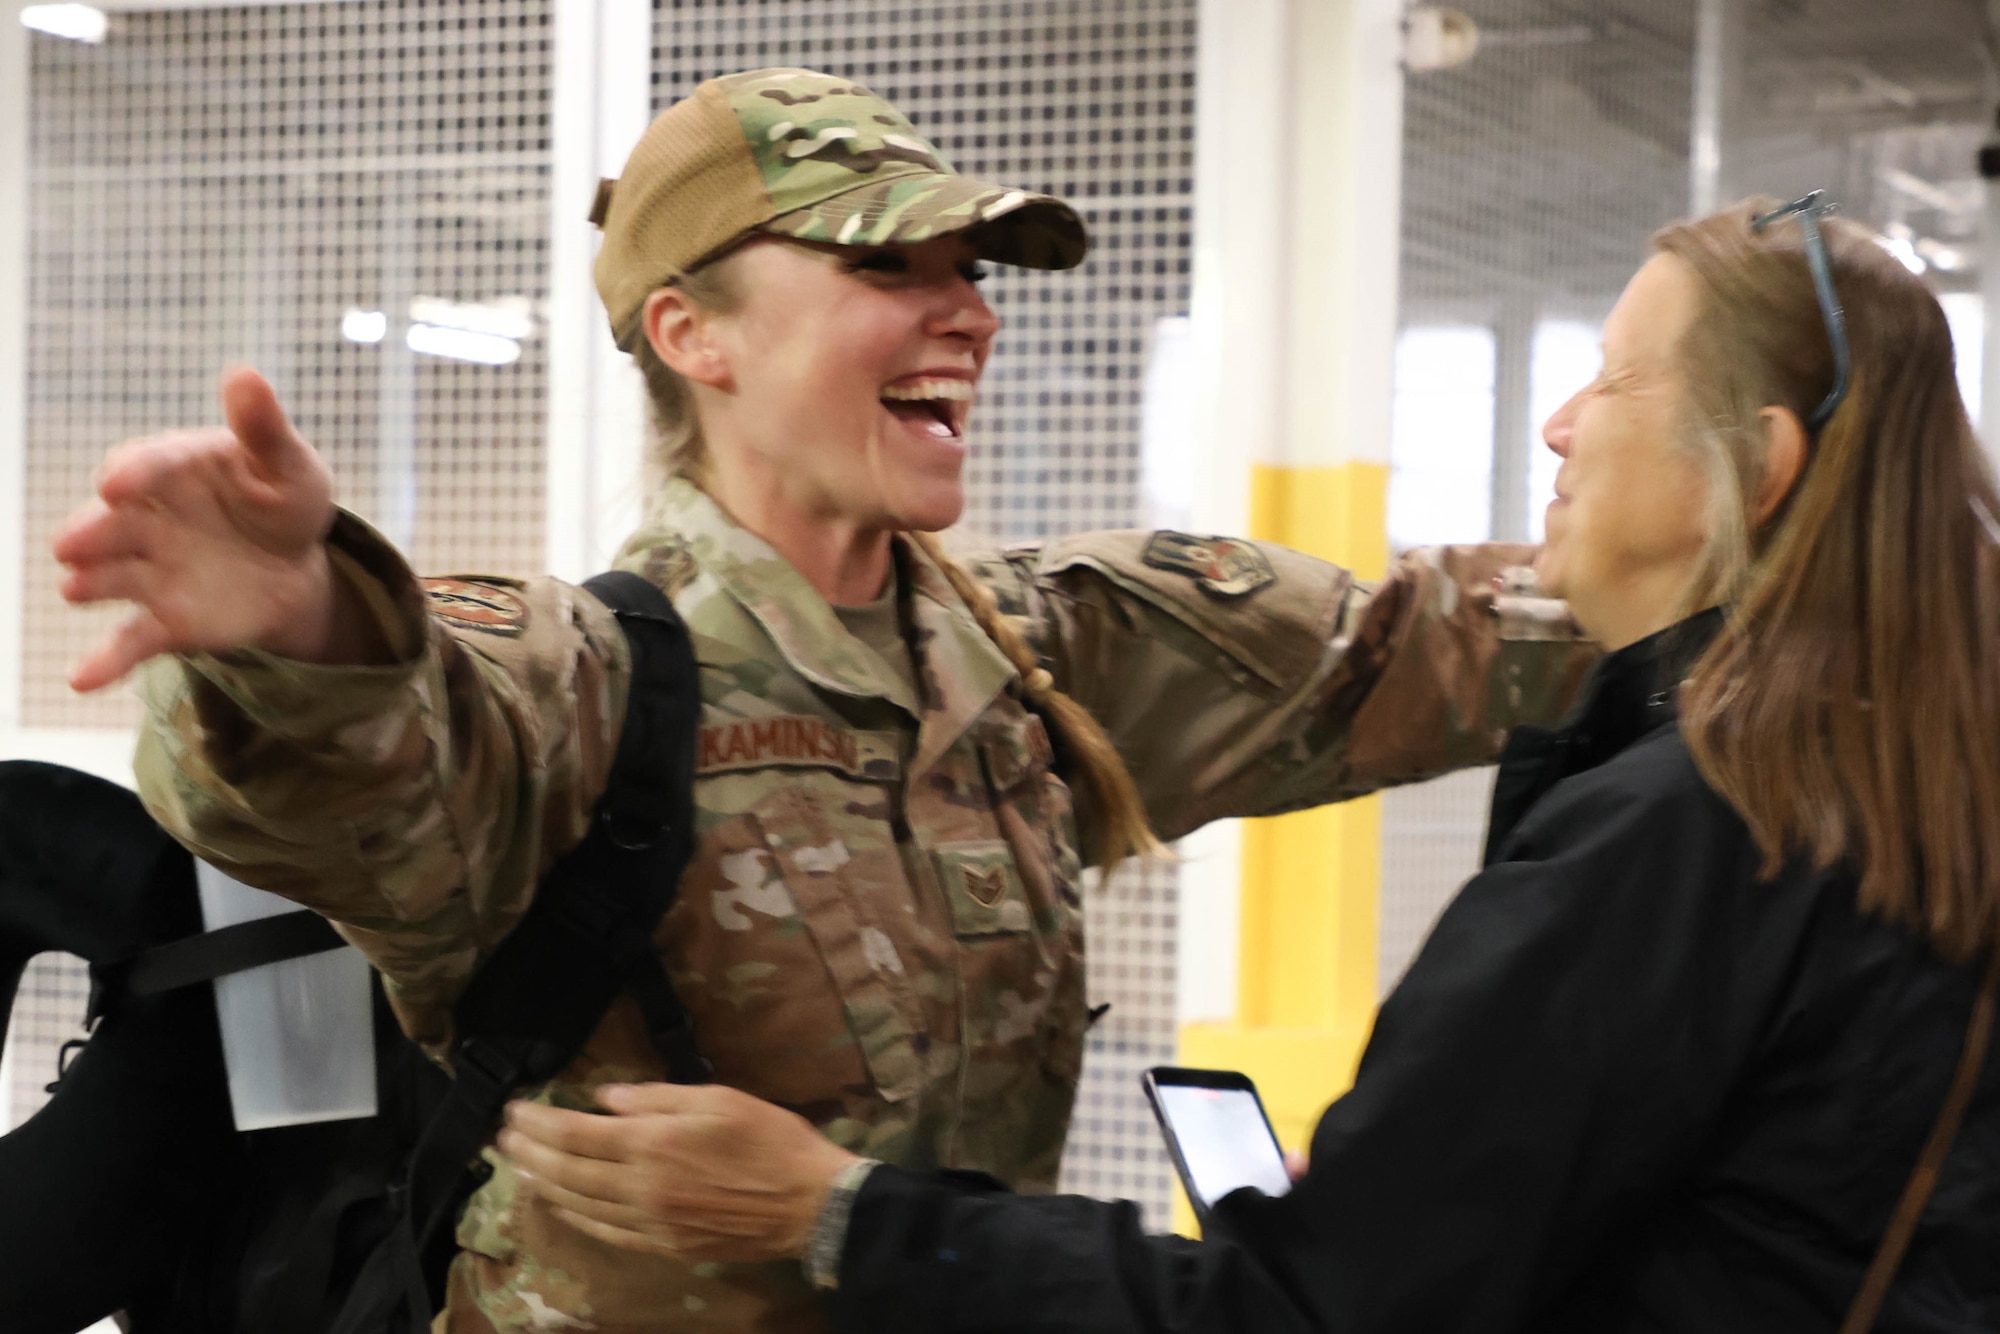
934	406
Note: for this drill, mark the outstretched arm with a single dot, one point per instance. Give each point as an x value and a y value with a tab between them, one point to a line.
216	538
1241	678
312	731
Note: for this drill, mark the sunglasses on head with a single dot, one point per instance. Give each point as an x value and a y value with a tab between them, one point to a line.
1809	211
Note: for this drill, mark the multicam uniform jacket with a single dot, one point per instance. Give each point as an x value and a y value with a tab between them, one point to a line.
881	926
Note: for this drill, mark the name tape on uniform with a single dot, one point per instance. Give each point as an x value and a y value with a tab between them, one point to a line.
760	743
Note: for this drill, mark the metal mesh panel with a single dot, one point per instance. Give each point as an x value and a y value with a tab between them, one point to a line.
1536	172
1092	100
1431	837
225	184
218	185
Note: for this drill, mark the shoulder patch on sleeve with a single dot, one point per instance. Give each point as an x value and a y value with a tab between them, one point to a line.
477	604
1223	567
671	566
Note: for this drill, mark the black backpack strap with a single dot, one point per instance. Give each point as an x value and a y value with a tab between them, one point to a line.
208	956
648	806
586	937
229	949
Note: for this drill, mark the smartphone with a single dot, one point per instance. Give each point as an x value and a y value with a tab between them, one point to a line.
1217	1132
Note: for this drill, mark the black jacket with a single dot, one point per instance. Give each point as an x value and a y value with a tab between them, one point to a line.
1624	1087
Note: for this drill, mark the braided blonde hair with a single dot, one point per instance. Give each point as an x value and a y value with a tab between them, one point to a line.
677	449
1126	831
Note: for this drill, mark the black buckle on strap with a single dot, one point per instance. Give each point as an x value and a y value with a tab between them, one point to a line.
64	1059
630	832
487	1072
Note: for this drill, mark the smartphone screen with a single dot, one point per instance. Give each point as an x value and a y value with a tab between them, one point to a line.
1222	1139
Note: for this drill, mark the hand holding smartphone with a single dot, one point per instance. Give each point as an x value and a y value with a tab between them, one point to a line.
1217	1133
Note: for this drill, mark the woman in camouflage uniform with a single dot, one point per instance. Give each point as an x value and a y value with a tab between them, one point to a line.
881	926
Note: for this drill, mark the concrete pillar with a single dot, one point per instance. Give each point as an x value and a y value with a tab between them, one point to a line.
14	71
396	400
103	751
1516	433
13	402
1719	37
596	403
1297	236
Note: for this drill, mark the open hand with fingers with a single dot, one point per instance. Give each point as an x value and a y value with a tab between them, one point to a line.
215	537
701	1173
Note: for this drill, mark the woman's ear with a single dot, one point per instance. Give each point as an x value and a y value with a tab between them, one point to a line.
1785	445
682	335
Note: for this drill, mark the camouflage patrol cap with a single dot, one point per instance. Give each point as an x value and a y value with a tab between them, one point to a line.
794	152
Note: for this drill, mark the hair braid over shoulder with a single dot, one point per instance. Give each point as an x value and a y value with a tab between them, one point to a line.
1126	831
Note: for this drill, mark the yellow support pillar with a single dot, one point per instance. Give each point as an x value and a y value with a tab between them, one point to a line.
1309	900
1309	894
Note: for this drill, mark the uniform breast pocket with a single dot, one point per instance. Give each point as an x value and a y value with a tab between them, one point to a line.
843	873
778	943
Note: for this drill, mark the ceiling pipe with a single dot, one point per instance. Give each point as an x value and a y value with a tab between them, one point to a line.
1705	137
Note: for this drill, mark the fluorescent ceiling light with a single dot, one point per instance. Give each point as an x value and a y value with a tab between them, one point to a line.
79	23
507	317
1896	239
364	326
463	345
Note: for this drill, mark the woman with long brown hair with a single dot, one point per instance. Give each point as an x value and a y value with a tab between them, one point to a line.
1704	1047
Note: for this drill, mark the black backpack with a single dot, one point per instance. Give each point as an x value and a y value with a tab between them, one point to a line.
132	1190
